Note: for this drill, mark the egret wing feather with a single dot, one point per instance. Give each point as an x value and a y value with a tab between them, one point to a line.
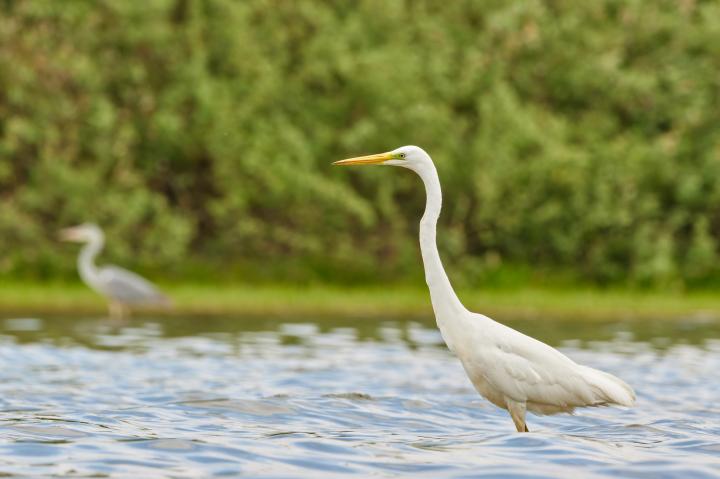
128	287
527	370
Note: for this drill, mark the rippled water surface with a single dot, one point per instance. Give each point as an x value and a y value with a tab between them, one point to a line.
287	397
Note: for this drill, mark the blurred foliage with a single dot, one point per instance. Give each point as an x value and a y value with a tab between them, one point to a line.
569	136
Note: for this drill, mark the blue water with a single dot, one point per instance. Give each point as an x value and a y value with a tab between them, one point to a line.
281	398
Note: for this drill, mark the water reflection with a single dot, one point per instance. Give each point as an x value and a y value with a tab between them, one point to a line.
293	397
413	331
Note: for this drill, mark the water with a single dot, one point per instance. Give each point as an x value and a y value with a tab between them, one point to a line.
283	397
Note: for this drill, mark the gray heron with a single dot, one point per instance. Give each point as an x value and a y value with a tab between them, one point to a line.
122	288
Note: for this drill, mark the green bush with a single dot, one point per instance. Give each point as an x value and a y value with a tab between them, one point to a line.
569	136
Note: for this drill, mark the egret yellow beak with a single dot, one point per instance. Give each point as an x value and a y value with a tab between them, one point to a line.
366	160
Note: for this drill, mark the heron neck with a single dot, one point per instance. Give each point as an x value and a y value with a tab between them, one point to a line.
444	300
86	260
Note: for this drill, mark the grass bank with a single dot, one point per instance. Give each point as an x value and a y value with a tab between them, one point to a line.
227	299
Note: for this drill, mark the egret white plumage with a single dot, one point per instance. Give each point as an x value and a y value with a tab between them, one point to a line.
511	370
121	287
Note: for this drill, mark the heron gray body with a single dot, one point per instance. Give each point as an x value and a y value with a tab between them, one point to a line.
120	286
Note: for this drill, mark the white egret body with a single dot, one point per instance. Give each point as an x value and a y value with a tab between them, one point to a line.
511	370
121	287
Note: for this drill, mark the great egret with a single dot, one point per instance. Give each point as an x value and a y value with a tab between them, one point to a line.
121	287
511	370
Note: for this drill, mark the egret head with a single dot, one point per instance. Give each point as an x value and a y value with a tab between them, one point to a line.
411	157
83	233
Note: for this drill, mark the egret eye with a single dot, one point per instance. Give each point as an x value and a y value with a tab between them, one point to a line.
402	155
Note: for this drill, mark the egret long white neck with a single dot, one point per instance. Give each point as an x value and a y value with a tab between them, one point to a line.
86	259
442	295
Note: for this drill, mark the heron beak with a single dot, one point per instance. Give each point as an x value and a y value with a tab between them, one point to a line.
365	160
68	234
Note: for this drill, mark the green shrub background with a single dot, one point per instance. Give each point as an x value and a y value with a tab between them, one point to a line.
576	140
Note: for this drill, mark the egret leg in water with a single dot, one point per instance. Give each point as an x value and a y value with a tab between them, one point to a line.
511	370
119	286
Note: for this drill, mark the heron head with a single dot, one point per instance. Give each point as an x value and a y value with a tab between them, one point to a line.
411	157
81	233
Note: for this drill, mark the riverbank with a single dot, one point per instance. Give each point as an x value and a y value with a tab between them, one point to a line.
225	299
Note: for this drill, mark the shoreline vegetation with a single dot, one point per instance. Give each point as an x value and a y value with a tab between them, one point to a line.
575	136
372	302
